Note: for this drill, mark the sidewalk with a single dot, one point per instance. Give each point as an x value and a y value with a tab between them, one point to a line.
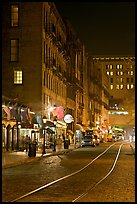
10	159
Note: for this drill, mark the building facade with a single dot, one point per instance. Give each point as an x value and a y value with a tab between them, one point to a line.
120	71
98	92
42	62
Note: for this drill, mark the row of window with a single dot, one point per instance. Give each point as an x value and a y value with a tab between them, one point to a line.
51	83
118	66
121	86
55	85
121	80
120	73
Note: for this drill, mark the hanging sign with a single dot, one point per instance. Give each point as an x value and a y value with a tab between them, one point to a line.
68	118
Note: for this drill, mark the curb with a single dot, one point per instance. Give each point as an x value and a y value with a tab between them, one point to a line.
33	159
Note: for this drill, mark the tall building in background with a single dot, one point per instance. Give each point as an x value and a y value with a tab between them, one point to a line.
120	71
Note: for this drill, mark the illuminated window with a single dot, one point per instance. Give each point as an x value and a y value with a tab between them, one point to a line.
121	86
14	15
128	86
17	77
117	73
111	73
132	86
119	66
14	50
107	73
109	66
111	86
130	72
119	79
117	86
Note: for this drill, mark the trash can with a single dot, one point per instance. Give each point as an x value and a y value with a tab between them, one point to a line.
66	144
32	150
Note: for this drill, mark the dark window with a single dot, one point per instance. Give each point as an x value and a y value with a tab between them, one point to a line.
14	49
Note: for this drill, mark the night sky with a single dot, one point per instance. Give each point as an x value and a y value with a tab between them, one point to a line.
105	28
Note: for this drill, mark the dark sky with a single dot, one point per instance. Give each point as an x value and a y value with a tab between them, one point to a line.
105	28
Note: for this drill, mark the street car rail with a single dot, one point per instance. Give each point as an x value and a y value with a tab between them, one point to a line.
76	172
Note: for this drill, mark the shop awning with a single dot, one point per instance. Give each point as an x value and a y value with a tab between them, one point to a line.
88	128
80	127
49	123
61	124
71	132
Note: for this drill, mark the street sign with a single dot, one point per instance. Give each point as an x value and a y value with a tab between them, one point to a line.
68	118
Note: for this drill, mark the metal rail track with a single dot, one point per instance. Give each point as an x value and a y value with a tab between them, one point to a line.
78	171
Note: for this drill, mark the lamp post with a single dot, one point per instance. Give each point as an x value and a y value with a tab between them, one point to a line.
44	121
55	122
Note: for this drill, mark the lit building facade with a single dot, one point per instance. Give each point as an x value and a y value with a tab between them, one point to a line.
98	92
42	61
120	72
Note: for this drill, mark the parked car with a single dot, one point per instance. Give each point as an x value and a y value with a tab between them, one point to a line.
119	136
88	141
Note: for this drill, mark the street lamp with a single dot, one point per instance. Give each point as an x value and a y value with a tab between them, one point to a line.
55	122
44	121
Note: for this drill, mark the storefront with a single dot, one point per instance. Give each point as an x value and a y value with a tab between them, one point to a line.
80	132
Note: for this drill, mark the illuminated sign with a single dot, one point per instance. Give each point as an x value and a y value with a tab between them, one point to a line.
68	118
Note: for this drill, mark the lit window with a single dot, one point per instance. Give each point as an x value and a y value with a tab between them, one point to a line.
121	73
107	73
117	66
117	73
121	79
17	77
132	86
117	86
14	15
121	86
130	72
128	86
14	50
111	86
111	66
111	73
